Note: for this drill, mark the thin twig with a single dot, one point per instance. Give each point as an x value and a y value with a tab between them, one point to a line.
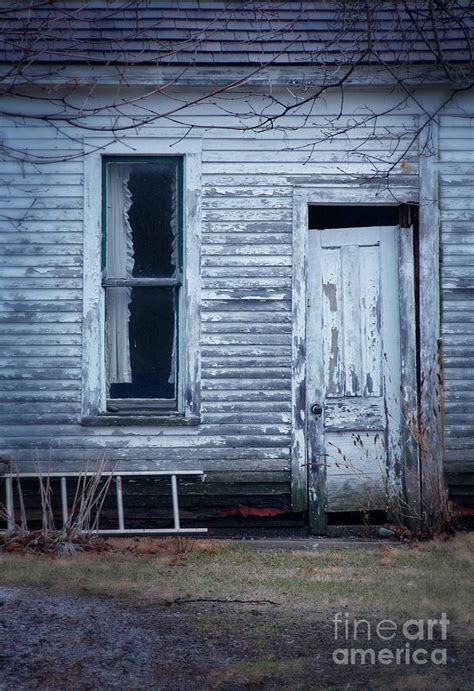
186	600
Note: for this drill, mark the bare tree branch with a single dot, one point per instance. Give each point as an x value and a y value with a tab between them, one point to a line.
45	46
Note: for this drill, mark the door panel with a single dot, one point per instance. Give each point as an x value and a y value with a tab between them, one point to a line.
353	363
351	319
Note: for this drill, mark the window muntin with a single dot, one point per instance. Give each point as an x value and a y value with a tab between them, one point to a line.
142	267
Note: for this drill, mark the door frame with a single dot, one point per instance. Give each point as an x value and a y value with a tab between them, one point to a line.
426	196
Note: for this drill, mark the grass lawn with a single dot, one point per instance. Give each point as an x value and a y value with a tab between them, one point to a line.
286	629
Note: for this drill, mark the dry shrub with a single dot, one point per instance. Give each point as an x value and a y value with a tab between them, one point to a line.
79	533
415	500
435	515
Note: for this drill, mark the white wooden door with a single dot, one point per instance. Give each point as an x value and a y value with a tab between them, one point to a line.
354	365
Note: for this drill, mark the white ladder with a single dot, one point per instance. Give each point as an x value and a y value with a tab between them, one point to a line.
121	530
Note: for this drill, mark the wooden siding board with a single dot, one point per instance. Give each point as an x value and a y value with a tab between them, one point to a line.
456	179
245	316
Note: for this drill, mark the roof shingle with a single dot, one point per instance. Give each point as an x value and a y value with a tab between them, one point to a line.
210	32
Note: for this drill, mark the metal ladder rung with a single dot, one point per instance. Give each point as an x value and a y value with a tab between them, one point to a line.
64	508
121	521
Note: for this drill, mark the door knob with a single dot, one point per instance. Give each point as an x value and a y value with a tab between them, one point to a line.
317	409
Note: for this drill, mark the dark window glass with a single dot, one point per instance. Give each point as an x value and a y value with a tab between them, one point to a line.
152	337
142	242
152	217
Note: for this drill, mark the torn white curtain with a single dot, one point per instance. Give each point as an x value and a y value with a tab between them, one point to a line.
174	260
120	262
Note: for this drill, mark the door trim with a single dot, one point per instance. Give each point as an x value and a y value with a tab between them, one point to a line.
428	257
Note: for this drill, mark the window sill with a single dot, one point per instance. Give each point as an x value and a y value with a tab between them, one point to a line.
127	420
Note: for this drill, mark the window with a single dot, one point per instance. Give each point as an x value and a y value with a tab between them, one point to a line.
142	265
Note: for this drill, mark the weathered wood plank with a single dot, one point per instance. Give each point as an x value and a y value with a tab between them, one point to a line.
217	237
41	330
243	299
334	152
231	203
42	263
16	315
333	350
52	373
243	363
346	495
248	339
245	406
243	328
246	260
245	384
371	355
352	371
27	203
25	168
456	215
185	463
11	360
31	212
163	437
453	155
68	285
252	350
27	397
23	340
247	191
239	372
360	414
408	396
244	284
243	316
24	306
243	394
256	228
240	418
238	249
315	386
430	329
300	168
271	458
236	214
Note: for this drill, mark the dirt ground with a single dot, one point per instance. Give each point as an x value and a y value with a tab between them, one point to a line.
82	641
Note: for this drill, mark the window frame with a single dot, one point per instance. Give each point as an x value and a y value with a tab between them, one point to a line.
94	387
148	406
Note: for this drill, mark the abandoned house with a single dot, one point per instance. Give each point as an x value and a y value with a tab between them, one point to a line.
237	238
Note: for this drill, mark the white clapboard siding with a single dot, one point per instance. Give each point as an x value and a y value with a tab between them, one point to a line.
456	182
246	269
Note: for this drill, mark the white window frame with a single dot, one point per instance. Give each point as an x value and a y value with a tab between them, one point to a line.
94	388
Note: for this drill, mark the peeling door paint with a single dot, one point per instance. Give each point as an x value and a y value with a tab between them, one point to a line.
354	326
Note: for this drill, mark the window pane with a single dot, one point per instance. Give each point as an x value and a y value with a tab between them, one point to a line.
141	351
148	197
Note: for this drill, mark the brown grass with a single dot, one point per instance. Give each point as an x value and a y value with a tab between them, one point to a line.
423	579
170	546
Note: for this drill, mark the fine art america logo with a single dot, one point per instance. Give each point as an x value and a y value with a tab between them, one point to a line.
357	636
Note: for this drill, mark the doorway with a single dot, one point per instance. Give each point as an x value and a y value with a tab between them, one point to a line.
361	316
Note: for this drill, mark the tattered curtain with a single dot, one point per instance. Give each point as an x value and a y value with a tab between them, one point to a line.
120	262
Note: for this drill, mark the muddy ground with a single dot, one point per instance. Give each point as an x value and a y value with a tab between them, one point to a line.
51	640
